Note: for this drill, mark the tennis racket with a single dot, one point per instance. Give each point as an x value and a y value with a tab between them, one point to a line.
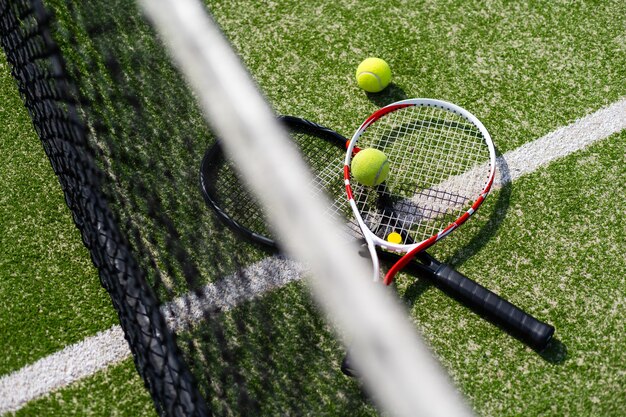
324	149
442	164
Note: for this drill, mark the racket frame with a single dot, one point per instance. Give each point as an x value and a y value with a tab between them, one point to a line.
410	250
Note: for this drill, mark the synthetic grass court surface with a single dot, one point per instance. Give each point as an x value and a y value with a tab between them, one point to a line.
524	71
49	291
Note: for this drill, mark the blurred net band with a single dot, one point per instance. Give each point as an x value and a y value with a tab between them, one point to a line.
216	326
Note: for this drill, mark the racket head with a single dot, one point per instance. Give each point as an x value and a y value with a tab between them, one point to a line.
226	193
442	166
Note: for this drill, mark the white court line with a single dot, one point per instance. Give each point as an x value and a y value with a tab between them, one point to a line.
565	140
109	347
95	353
62	368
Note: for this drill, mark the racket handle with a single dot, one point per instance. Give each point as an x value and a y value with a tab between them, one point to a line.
515	321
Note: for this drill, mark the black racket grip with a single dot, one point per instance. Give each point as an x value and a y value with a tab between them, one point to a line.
488	304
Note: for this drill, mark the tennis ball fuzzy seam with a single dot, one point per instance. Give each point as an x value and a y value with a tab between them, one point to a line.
380	82
380	171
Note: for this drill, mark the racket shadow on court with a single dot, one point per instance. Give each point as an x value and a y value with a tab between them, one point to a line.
555	352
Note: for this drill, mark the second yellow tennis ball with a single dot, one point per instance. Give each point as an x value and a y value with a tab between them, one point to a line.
373	75
394	237
370	167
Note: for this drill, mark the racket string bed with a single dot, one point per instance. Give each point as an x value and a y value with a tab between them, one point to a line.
426	151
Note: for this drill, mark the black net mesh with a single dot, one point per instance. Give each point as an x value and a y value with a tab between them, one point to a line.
215	324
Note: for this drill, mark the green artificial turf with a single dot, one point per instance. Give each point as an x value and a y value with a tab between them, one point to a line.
575	286
551	242
523	69
50	294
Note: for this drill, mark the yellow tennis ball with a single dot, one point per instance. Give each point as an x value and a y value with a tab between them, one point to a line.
370	167
373	75
394	237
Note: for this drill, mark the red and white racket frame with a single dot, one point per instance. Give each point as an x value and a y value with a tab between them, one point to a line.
411	250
